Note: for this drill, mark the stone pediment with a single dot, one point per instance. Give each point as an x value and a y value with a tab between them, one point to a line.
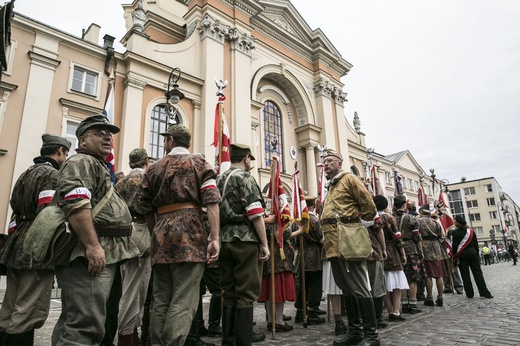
285	24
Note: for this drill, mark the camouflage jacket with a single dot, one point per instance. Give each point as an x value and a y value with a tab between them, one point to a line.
179	236
129	188
32	192
347	197
432	236
83	181
393	241
312	244
241	203
409	228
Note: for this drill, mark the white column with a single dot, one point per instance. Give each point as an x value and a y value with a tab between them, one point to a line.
310	158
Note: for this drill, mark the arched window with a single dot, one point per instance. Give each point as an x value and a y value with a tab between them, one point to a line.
355	170
158	125
273	144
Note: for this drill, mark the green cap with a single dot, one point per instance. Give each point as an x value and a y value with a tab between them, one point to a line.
399	200
49	139
95	120
178	131
136	155
240	150
334	153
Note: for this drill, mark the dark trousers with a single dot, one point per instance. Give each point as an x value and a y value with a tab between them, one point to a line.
313	289
487	259
472	262
457	281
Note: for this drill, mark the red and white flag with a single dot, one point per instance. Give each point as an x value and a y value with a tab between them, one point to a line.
279	202
444	212
221	138
299	205
109	111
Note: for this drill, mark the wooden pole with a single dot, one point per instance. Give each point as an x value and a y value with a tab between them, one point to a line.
302	276
273	291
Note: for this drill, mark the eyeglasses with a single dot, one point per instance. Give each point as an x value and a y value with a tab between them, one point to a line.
329	161
102	133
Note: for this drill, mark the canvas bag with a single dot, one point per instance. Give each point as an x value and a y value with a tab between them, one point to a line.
353	240
50	239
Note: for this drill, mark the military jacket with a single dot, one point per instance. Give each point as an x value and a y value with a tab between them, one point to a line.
409	229
129	188
393	241
241	203
347	197
83	181
313	247
32	192
179	177
433	237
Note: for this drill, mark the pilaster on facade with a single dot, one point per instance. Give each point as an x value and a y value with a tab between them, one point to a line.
339	96
134	82
241	41
44	61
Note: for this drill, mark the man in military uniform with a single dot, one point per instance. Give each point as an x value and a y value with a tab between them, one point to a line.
244	246
28	293
103	241
135	273
414	269
175	189
312	256
348	201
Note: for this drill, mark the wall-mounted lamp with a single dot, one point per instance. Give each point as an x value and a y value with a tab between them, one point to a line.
173	94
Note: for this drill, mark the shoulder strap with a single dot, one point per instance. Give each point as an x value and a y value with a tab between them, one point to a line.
227	180
102	202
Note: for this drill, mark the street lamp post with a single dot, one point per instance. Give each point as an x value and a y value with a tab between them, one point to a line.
501	205
173	94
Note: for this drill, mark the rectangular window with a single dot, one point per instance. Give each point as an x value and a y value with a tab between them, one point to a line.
474	217
497	229
489	188
388	178
493	215
469	191
478	230
472	204
410	186
416	186
70	134
84	81
490	202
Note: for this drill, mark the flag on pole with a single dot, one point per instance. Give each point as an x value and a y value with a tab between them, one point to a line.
398	185
279	202
221	138
108	111
321	188
299	205
444	212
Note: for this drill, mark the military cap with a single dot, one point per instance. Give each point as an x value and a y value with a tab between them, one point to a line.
240	150
178	131
49	140
137	155
399	200
333	153
425	208
310	200
95	120
460	219
381	202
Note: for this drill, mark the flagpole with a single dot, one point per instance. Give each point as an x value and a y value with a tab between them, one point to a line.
274	205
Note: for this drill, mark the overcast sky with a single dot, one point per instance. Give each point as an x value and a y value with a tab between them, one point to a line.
438	78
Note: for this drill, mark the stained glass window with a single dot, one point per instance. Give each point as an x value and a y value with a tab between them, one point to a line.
273	145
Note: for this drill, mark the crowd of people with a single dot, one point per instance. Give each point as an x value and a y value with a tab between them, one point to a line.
171	229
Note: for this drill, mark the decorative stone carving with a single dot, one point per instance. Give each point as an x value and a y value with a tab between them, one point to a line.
323	88
339	96
139	17
357	122
210	27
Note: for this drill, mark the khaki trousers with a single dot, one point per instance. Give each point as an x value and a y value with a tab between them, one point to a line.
27	300
175	301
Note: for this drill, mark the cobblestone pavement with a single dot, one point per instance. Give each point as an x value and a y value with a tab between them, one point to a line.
461	321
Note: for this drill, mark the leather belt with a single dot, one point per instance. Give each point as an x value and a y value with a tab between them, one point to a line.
138	219
177	206
114	231
344	219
